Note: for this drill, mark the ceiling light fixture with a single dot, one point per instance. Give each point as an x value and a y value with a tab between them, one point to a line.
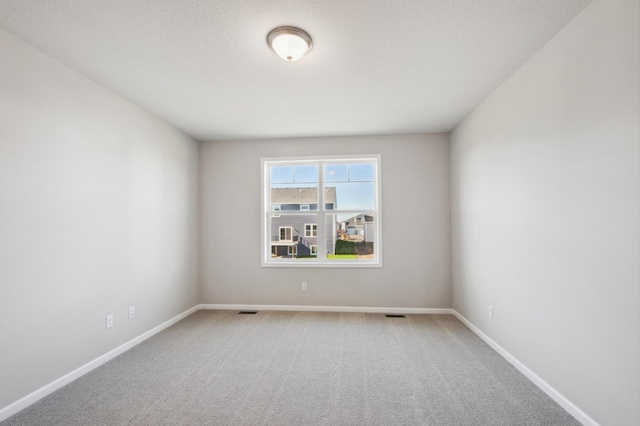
289	43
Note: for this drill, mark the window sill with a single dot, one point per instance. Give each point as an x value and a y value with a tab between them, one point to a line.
303	264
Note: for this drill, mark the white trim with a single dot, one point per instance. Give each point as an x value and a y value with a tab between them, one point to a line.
35	396
47	389
570	407
301	263
267	260
266	221
295	160
305	308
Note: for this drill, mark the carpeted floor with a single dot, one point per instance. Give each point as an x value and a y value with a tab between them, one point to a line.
303	368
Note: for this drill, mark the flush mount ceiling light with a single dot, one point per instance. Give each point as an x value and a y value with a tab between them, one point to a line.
289	43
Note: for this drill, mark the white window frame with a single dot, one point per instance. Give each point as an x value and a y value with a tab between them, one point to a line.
314	249
321	260
304	207
276	208
292	250
290	228
311	230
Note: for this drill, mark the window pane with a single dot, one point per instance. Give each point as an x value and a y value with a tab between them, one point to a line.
354	236
361	173
305	174
336	173
281	174
294	174
294	188
350	187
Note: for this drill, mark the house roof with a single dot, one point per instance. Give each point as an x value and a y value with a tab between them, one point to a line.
351	220
301	195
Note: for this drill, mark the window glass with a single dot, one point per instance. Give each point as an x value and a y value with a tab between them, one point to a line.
294	187
349	186
355	236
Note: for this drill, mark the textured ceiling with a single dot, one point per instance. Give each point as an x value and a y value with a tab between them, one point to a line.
377	66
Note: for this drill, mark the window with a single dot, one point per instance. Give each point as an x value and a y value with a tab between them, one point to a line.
310	230
321	211
285	233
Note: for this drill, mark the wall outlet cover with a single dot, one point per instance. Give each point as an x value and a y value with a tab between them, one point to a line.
109	321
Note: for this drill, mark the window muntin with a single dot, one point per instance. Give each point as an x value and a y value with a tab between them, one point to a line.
342	224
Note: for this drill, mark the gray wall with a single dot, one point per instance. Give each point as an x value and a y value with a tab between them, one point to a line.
545	207
415	208
98	212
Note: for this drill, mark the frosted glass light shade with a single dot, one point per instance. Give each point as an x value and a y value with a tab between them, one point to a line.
289	43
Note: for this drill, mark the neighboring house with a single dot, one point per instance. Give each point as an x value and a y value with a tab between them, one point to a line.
297	235
361	225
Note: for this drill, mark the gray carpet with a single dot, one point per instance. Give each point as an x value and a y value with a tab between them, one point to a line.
303	368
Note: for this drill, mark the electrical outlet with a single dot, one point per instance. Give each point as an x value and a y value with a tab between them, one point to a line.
304	286
109	321
490	311
132	312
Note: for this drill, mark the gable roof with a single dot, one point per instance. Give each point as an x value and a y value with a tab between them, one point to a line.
351	221
301	195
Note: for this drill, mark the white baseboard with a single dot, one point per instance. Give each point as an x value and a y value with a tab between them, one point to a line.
23	403
304	308
38	394
570	407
